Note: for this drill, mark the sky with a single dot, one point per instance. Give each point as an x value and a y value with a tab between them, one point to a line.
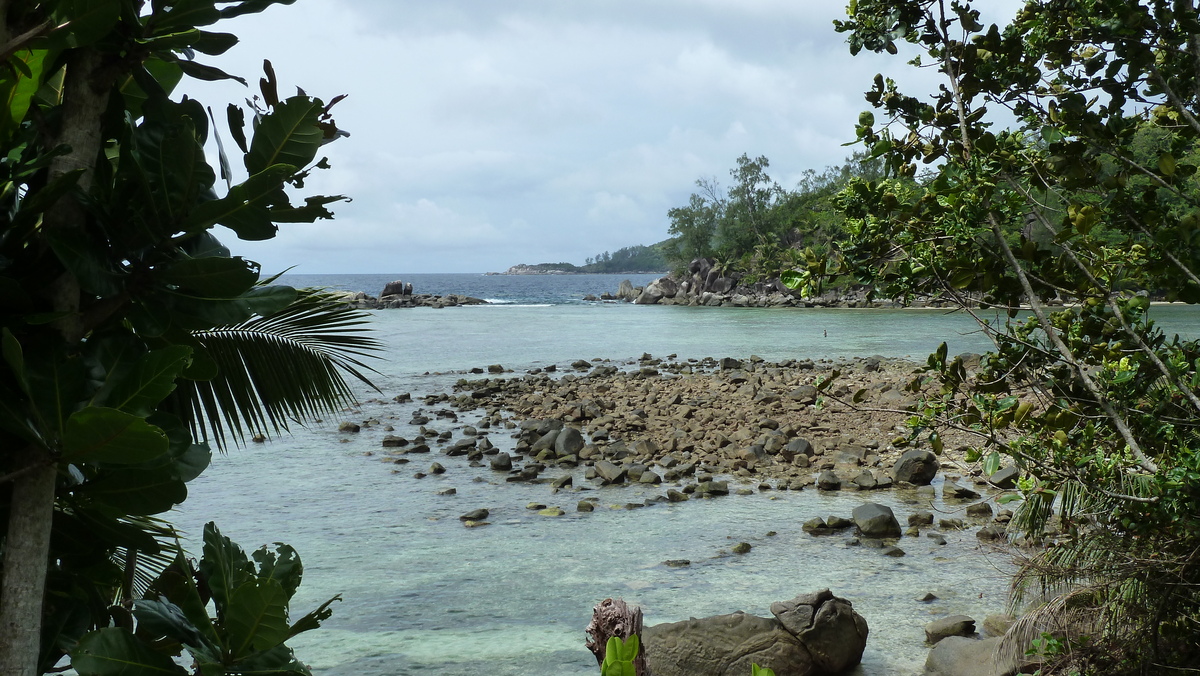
486	134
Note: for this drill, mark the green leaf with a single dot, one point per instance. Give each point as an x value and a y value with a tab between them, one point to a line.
251	7
137	491
287	135
791	279
208	73
991	464
181	15
85	259
213	276
158	619
14	356
1166	164
223	565
106	435
83	22
177	583
313	619
141	390
282	565
115	652
18	92
245	210
256	616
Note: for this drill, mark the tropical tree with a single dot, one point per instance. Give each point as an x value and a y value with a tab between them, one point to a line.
132	339
1082	192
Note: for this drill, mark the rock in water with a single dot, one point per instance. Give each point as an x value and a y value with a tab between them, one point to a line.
811	635
916	467
876	521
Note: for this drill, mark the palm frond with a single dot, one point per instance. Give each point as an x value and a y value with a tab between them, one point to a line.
141	567
287	366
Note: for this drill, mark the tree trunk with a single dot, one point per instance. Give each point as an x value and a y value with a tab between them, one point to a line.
26	557
27	547
615	618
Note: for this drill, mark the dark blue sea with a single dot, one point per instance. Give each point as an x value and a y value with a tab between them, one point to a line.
498	289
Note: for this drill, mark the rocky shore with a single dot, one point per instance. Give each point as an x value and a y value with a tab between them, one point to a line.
705	285
399	294
707	428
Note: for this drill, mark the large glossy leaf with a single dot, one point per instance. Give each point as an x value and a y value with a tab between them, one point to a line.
166	74
116	652
181	15
57	384
224	565
282	565
287	135
18	91
279	367
86	259
256	617
245	210
106	435
150	381
202	312
177	584
170	156
313	619
137	491
83	22
251	7
212	276
159	619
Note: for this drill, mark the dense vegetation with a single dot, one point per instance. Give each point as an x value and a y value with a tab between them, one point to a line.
133	342
759	229
1089	197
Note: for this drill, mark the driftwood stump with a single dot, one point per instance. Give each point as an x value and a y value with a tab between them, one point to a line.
615	618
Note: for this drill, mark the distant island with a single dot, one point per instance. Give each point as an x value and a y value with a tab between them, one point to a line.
637	259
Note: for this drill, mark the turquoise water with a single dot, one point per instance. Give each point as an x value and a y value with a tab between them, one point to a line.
425	595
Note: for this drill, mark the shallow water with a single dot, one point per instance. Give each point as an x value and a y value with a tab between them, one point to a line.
424	594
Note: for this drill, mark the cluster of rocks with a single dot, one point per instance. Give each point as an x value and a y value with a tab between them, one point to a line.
693	426
706	285
399	294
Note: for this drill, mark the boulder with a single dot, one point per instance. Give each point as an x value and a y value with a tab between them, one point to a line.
1005	477
568	442
876	521
916	467
954	625
610	473
810	635
663	287
961	656
625	291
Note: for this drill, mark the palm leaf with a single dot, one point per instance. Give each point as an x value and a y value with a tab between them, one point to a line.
287	366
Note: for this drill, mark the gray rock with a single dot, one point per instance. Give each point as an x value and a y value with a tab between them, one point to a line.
955	625
568	442
876	521
475	515
916	467
610	473
805	394
501	462
1005	477
922	518
961	656
828	481
831	641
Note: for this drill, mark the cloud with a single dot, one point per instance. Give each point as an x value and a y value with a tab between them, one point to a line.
486	134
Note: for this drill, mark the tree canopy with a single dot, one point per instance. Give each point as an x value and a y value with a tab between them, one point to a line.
133	341
1089	199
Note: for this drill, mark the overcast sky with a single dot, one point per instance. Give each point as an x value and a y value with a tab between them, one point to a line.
487	133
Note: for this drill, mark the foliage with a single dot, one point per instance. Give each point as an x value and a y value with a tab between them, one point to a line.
130	336
1087	196
636	258
762	231
250	595
756	670
619	656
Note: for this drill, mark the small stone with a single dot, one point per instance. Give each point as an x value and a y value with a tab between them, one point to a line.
938	538
929	597
551	511
741	548
352	428
893	551
955	625
677	563
475	524
535	506
980	509
585	506
447	491
437	468
475	515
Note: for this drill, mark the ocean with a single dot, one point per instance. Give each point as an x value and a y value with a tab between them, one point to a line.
422	594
